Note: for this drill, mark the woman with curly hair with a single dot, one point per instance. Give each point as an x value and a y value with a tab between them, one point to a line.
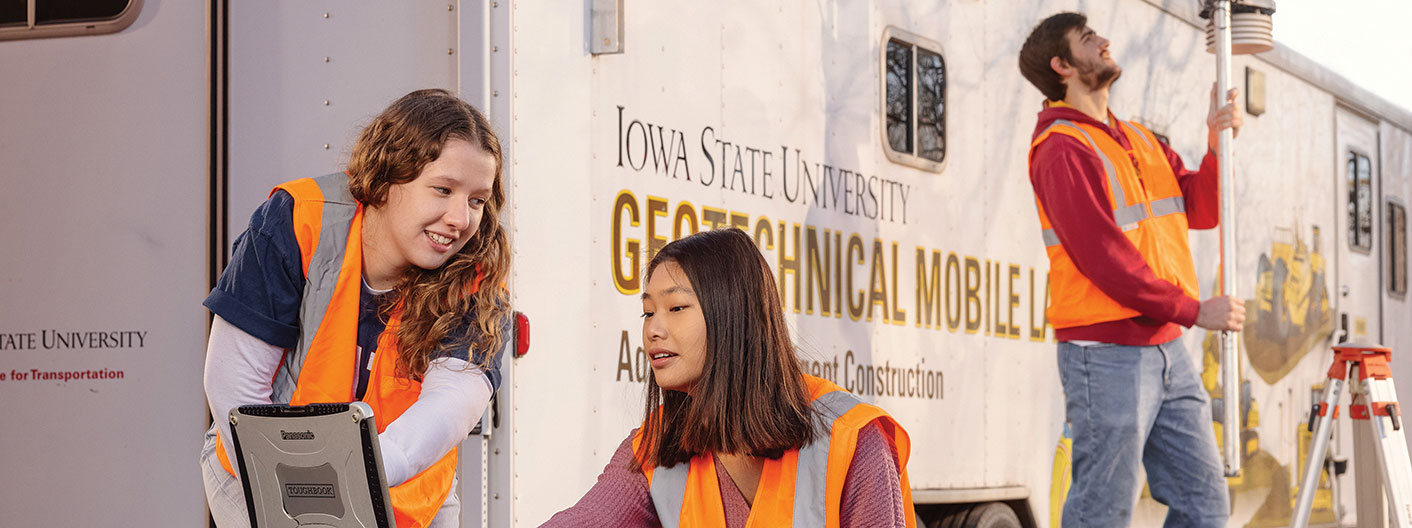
380	284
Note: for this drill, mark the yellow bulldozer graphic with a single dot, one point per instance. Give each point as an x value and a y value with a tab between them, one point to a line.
1290	313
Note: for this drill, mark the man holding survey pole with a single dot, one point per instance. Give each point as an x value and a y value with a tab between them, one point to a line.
1115	204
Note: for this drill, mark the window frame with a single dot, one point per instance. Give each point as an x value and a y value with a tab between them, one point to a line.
105	26
1396	248
1350	199
917	42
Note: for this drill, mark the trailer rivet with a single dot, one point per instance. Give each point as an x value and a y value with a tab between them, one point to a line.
325	146
495	48
450	7
450	51
325	102
325	15
326	59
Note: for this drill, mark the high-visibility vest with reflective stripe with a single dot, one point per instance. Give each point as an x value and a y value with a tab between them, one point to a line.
1147	204
322	368
803	488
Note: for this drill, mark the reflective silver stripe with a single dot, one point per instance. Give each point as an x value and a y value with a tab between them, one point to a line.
668	490
1138	132
811	477
1166	206
1050	239
668	486
1128	217
337	218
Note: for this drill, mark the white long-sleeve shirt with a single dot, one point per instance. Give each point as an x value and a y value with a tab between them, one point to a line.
454	394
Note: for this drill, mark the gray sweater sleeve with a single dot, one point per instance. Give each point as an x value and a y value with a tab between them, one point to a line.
872	492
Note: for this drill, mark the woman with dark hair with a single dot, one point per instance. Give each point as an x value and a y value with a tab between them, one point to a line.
735	434
378	284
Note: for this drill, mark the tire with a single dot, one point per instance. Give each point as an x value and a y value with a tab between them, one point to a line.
951	520
988	515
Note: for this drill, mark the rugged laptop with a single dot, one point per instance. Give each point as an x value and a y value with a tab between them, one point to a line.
311	465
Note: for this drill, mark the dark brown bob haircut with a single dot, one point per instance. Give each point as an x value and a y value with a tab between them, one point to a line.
1049	39
393	150
751	397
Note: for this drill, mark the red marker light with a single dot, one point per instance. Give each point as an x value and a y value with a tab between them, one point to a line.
522	334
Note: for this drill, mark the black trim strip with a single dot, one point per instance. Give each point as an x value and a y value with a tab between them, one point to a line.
218	163
219	156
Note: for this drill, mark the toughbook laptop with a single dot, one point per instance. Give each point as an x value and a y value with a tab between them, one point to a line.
311	465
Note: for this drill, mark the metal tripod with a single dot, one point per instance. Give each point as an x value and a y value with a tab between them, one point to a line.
1374	406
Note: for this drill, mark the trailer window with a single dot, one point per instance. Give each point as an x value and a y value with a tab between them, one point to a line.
13	13
931	105
1360	202
899	96
914	101
1397	248
56	12
57	18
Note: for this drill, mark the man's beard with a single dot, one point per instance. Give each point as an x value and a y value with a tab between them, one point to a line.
1097	75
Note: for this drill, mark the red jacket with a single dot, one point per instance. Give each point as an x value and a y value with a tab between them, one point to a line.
1068	180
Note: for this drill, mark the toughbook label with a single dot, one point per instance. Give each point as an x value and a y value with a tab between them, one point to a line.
321	491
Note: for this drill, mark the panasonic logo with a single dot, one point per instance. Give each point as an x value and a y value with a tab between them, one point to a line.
296	435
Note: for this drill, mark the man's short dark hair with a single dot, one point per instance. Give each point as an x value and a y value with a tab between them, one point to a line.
1049	39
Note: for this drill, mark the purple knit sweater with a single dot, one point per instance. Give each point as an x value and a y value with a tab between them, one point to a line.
872	495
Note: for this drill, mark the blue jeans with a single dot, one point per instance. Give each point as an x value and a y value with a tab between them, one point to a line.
1139	404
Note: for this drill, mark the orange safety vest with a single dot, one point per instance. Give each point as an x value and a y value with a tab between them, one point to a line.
328	226
1147	205
803	488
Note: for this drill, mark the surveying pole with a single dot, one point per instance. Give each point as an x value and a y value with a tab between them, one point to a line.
1253	35
1374	408
1230	350
1220	20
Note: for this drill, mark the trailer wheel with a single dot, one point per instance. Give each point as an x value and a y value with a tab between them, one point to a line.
988	515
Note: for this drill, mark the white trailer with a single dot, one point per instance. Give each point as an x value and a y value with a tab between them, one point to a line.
876	151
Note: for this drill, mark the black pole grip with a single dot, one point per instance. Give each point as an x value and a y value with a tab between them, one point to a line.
1392	413
1313	415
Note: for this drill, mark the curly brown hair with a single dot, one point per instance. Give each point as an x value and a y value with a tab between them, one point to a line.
394	149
